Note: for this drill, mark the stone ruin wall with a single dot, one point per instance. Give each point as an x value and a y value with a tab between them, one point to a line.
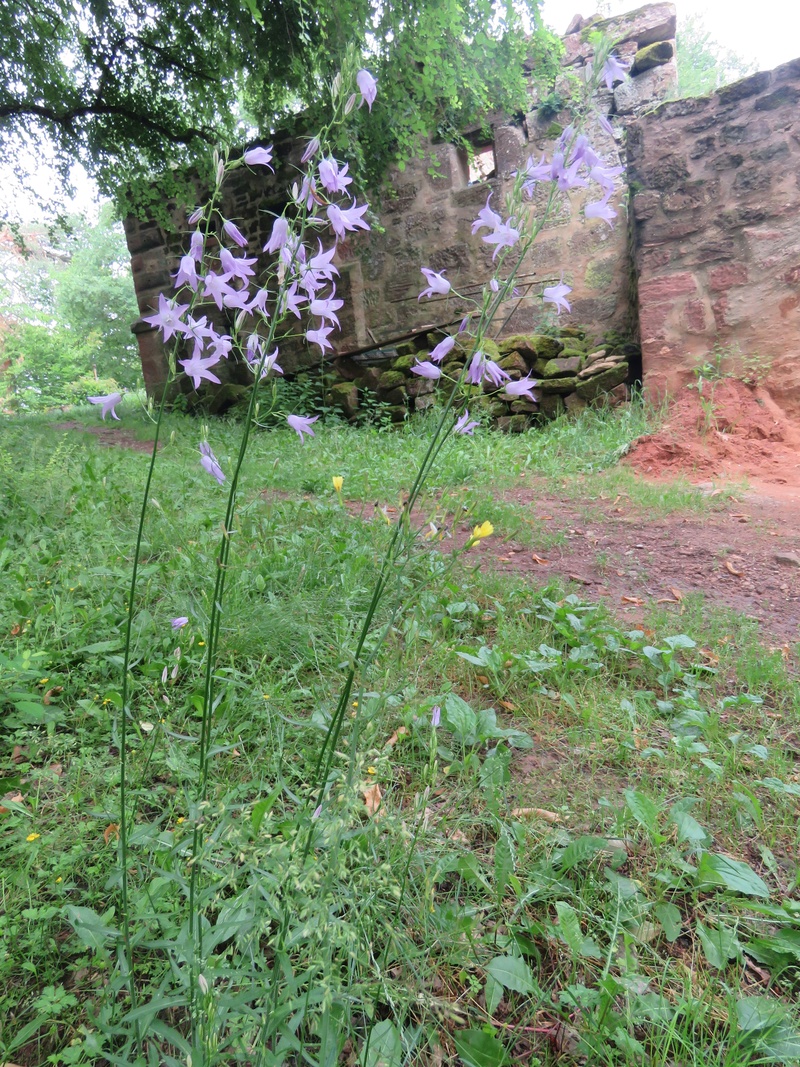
715	227
716	210
426	215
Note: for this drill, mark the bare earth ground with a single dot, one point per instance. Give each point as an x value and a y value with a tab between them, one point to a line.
743	555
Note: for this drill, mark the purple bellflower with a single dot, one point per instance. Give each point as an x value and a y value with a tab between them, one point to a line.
614	70
239	266
197	368
601	209
181	620
208	462
258	157
333	179
486	217
426	370
280	232
168	317
436	716
557	294
320	337
524	387
368	87
108	403
437	283
604	176
344	219
503	236
326	308
463	425
187	273
232	230
216	286
444	348
196	246
311	150
301	424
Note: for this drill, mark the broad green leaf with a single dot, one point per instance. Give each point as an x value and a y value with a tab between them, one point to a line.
461	719
689	829
719	944
736	875
512	973
476	1048
93	929
671	921
385	1047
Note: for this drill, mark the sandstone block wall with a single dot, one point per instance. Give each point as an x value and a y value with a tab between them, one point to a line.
716	208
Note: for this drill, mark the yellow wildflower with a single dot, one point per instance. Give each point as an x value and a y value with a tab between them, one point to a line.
338	482
32	837
484	530
371	770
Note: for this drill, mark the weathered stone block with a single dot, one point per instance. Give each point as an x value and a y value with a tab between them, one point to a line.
390	379
514	362
551	406
669	285
722	278
559	386
602	383
652	55
513	423
752	86
562	367
648	88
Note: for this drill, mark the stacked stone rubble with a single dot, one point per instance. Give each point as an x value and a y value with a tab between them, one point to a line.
572	371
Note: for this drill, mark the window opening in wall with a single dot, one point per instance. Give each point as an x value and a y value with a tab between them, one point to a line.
483	164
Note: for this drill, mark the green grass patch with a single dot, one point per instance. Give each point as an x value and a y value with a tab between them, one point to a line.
592	854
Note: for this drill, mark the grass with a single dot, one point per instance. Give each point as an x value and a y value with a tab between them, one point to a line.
616	878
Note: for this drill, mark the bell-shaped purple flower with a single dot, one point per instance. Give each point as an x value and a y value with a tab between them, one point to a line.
368	87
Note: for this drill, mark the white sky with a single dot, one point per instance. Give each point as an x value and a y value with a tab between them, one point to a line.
769	37
768	34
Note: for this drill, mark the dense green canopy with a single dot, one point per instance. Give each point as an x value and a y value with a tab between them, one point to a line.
129	88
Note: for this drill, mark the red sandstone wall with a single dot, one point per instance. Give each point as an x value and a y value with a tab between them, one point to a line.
717	231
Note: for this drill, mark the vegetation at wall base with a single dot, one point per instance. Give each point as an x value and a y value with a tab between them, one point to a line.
463	901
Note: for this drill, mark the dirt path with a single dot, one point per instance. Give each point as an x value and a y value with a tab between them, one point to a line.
745	557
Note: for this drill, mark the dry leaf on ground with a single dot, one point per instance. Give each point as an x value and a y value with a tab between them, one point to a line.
372	798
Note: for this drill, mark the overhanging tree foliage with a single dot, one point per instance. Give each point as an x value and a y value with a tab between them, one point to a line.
131	88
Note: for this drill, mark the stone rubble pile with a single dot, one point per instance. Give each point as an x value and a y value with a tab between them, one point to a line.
572	371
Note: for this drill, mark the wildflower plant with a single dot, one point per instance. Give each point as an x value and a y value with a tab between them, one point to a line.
239	1002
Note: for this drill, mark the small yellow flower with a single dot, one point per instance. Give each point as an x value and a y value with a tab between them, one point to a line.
180	820
355	703
266	696
201	642
43	681
338	482
484	530
371	770
59	880
32	837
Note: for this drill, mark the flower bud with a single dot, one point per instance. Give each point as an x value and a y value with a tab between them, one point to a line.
351	103
311	150
195	216
220	172
164	676
201	981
